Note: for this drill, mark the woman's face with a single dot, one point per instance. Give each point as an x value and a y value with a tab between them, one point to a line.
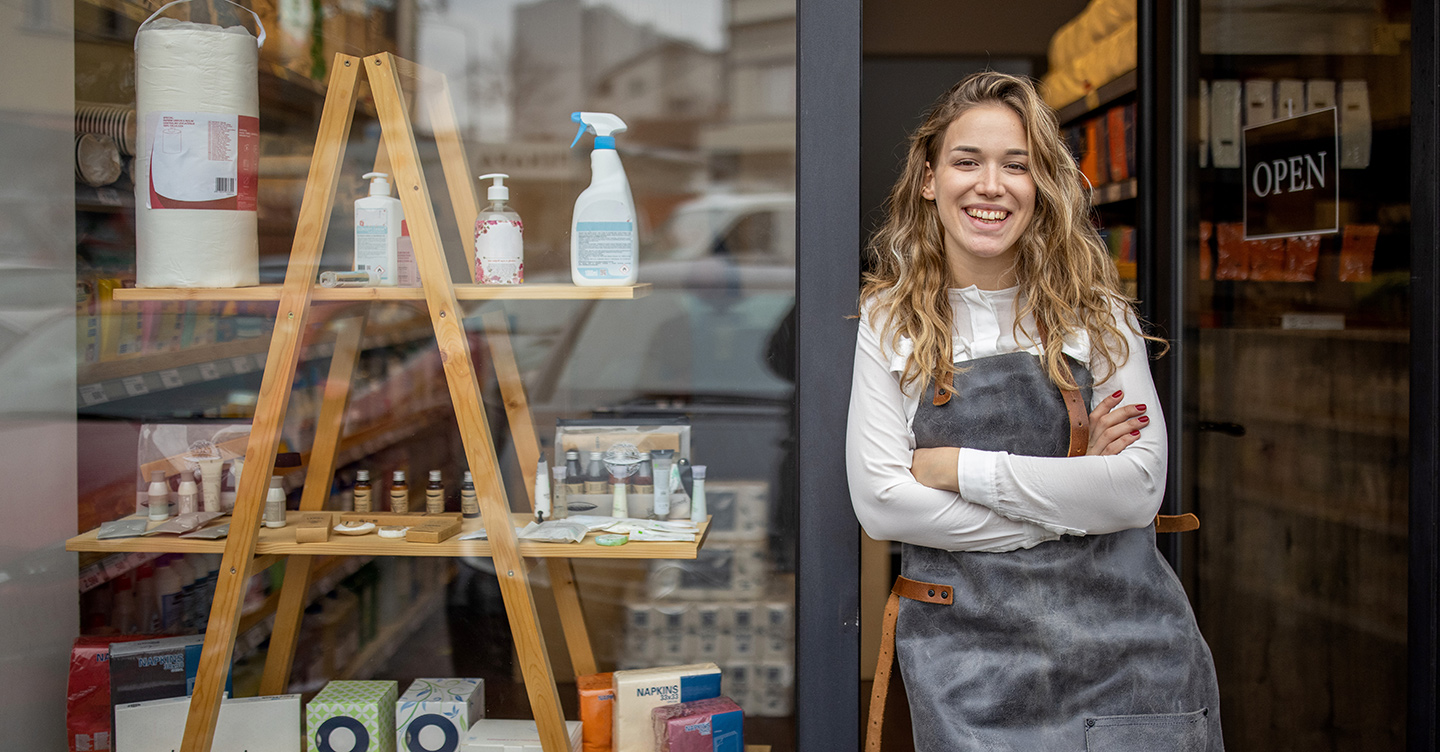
984	193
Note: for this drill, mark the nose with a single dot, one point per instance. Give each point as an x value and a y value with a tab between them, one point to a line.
990	182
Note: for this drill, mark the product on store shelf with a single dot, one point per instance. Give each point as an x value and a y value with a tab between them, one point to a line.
352	715
597	711
1232	261
639	692
197	162
1302	255
434	715
248	724
493	735
87	694
499	237
1357	252
713	725
155	669
604	237
377	231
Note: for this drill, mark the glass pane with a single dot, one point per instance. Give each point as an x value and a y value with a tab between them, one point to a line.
1303	362
707	94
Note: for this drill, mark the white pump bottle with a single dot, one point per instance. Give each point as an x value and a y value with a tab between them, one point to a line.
499	238
378	219
604	241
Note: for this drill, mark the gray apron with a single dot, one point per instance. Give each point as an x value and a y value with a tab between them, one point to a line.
1084	643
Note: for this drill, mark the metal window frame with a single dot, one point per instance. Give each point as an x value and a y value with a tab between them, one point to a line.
827	650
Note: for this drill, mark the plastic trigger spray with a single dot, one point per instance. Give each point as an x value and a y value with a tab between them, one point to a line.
604	244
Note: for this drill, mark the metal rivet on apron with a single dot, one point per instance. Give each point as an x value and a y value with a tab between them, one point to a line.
944	594
931	593
1089	723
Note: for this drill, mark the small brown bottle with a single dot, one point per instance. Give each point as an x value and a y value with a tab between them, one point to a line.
362	491
469	503
574	474
597	478
435	494
644	478
399	494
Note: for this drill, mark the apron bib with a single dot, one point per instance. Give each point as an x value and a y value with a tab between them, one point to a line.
1086	643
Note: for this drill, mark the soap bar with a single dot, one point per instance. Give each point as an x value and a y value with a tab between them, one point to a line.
639	692
314	527
597	711
701	726
397	519
433	531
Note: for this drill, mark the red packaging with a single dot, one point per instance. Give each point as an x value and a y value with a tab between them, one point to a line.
1115	132
1233	259
1267	259
1301	255
1207	263
597	711
1357	253
699	726
87	701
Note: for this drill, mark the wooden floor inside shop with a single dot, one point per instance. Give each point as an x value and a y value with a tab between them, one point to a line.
469	637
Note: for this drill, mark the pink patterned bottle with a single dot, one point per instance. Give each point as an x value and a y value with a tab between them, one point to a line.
499	238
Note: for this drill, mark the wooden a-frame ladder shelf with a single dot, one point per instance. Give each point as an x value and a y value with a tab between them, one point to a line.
248	549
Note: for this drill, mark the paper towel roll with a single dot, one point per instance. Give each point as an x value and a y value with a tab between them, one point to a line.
202	69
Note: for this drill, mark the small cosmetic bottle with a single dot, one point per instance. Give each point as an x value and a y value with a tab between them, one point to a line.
560	506
362	490
399	493
158	496
698	512
469	503
435	494
275	503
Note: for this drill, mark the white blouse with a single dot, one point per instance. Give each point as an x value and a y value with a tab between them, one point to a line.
1006	502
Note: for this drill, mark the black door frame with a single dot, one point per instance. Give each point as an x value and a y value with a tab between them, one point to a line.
827	648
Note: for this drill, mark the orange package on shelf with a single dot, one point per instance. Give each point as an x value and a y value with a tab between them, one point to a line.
1092	162
1207	262
597	711
1267	259
1232	260
1115	133
1301	254
1357	252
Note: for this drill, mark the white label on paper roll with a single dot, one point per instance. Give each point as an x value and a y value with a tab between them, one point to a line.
203	160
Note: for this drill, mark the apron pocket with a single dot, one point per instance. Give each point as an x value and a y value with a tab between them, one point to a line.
1165	732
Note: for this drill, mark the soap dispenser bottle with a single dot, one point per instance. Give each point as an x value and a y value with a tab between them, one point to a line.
499	238
378	217
604	243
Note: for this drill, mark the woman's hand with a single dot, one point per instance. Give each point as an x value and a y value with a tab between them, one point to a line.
936	467
1113	428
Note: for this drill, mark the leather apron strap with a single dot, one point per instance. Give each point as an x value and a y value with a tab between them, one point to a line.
880	691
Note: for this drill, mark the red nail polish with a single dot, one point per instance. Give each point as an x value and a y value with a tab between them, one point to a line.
1141	408
1117	394
1143	419
1134	433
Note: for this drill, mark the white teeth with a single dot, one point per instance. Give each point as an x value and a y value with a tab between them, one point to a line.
989	215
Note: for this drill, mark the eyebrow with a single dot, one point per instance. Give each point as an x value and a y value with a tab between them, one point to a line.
976	150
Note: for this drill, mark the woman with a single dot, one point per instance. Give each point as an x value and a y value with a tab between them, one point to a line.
1037	613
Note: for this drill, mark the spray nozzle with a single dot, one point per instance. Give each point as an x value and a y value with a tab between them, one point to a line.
603	124
379	183
497	190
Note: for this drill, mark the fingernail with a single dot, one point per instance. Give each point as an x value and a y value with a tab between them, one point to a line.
1143	419
1134	433
1117	394
1141	408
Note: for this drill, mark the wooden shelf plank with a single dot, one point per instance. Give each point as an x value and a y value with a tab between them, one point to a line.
281	542
271	293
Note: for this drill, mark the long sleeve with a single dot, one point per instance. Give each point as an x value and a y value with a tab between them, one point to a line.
1081	495
888	501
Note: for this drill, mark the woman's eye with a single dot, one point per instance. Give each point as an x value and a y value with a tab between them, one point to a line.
1017	167
965	163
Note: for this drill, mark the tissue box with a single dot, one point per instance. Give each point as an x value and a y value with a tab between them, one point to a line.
492	735
712	631
245	725
597	711
365	709
714	725
637	693
435	714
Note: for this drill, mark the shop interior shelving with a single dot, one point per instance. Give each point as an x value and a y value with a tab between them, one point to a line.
249	548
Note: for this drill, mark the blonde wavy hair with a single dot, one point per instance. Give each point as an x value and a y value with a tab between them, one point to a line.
1067	280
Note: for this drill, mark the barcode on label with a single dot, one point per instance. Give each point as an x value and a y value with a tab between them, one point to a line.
224	185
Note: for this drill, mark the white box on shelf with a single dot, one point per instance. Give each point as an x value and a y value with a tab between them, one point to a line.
250	723
738	682
745	632
779	630
774	688
712	632
495	735
738	510
639	633
720	571
674	632
436	714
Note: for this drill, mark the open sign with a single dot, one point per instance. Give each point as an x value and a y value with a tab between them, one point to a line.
1292	178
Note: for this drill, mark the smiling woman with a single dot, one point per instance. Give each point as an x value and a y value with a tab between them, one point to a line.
995	348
